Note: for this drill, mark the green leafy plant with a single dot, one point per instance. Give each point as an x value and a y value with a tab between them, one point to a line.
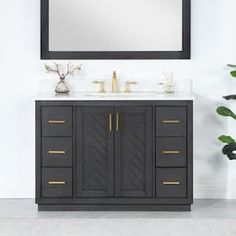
230	143
224	111
226	139
233	72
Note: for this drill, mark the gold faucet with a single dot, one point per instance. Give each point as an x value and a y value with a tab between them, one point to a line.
101	87
127	86
115	85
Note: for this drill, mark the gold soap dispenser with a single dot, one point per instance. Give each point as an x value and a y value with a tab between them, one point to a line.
115	85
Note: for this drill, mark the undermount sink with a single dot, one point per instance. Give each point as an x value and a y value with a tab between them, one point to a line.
122	94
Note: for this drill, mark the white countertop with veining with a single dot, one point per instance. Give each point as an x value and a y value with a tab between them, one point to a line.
91	96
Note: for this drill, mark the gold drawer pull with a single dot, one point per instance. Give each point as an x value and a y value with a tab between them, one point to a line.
56	121
171	183
56	182
117	121
171	121
110	122
171	152
56	152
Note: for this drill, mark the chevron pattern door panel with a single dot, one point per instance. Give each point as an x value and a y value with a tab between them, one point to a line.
94	152
133	151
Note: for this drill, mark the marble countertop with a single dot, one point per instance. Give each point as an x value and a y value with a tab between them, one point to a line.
90	96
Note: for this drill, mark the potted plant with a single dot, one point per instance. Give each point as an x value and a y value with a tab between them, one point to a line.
230	143
63	73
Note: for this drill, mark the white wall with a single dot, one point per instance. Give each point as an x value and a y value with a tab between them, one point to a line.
22	75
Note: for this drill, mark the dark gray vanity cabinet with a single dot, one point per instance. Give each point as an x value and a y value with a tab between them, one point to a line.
114	155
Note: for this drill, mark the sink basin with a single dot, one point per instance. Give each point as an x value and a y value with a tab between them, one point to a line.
133	94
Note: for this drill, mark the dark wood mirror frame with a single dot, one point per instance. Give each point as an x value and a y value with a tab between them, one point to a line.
184	54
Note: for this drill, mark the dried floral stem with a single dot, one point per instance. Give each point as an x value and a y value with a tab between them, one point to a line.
70	69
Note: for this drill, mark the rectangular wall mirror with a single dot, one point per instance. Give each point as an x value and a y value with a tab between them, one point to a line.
115	29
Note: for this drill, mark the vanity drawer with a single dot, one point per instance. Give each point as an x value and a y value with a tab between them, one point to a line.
57	151
57	121
171	121
171	183
171	152
56	182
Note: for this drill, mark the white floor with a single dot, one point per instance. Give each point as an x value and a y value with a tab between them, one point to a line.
208	217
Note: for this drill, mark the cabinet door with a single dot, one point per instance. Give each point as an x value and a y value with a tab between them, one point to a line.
133	151
94	152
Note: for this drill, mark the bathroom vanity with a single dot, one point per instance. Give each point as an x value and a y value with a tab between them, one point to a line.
131	152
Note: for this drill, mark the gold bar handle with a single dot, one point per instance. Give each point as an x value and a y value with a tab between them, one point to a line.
56	152
171	121
171	183
170	152
110	122
56	182
117	121
56	121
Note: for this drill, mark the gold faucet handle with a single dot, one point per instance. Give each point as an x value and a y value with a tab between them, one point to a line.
127	85
102	85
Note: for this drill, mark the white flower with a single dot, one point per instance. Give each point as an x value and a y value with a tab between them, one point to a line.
75	69
51	68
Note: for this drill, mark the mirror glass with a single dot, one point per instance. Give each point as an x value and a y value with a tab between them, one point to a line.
115	25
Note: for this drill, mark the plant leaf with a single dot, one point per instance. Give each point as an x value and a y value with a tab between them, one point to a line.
226	139
224	111
233	73
231	65
230	97
229	151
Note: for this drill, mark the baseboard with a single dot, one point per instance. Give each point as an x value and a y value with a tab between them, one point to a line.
114	207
